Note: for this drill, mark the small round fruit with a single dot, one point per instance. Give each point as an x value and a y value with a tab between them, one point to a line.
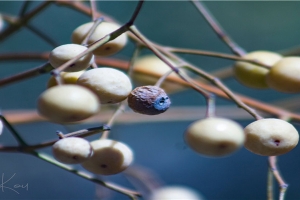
67	103
103	29
67	78
270	137
149	100
215	136
175	193
109	157
252	75
284	75
110	85
151	64
72	150
64	53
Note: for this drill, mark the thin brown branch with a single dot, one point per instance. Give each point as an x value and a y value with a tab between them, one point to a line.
93	9
23	20
218	29
45	68
282	185
119	111
216	54
88	176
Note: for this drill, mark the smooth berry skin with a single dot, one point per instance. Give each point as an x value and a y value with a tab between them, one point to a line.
149	100
66	52
215	137
67	103
252	75
270	137
72	150
103	29
109	157
284	75
110	85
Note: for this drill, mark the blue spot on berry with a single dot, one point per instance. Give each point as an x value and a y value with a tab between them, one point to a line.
162	103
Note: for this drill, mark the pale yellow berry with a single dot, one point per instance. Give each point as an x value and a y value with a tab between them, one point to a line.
109	157
67	103
215	136
110	85
64	53
270	137
252	75
72	150
103	29
284	75
145	66
175	193
67	78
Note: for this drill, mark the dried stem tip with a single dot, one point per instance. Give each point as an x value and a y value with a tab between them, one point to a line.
149	100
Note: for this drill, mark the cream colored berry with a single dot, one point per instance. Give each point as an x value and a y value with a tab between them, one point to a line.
111	85
252	75
72	150
64	53
109	157
215	136
145	66
67	78
270	137
67	103
103	29
284	75
175	193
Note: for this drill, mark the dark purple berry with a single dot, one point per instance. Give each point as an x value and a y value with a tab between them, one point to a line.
149	100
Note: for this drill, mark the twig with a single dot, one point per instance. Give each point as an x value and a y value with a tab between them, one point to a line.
16	135
45	68
270	185
23	20
88	176
42	35
24	7
200	72
93	9
92	30
218	29
119	110
217	55
282	185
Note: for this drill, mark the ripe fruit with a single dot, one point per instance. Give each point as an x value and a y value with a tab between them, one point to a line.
67	103
175	193
67	78
153	65
252	75
64	53
149	100
103	29
109	157
111	85
270	137
284	75
72	150
215	136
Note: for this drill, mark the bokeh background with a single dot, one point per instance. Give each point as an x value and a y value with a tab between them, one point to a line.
158	146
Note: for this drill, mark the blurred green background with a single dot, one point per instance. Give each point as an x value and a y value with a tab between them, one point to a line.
158	146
